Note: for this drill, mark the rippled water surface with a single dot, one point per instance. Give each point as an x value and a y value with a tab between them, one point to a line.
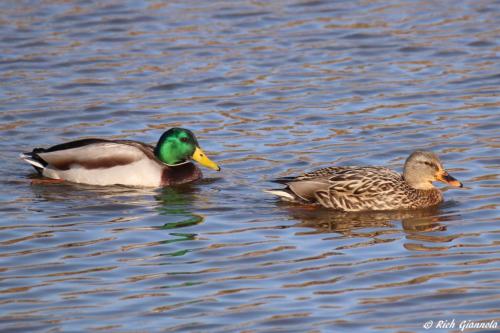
271	89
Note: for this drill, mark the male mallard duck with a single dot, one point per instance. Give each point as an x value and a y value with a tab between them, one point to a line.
123	162
371	188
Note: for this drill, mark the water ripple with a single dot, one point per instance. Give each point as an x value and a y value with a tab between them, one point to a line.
271	89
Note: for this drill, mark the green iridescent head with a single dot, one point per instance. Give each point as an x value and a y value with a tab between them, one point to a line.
178	145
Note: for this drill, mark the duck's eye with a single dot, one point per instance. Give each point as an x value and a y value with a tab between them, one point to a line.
432	165
184	139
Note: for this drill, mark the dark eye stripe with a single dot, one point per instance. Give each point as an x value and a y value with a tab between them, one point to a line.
432	165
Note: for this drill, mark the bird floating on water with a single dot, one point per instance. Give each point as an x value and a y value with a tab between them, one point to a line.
370	188
124	162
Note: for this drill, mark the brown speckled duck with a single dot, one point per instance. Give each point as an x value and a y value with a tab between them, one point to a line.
124	162
370	188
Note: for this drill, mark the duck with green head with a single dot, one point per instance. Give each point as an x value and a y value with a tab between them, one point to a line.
124	162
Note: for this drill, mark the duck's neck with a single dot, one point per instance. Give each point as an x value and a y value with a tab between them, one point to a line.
424	193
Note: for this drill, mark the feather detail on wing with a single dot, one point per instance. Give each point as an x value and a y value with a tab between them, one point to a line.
346	188
95	155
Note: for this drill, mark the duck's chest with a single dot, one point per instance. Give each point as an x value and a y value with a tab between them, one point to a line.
424	198
181	174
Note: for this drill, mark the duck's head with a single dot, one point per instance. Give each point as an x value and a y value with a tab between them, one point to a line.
178	145
423	167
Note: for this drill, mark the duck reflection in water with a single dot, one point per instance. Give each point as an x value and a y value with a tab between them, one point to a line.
373	224
177	201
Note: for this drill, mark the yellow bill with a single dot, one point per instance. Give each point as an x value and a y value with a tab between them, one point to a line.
200	157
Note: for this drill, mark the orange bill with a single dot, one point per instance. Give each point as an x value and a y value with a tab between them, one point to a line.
445	177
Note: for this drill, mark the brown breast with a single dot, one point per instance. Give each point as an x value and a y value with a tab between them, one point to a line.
426	198
180	174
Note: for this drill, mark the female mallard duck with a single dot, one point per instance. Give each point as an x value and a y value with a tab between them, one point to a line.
124	162
371	188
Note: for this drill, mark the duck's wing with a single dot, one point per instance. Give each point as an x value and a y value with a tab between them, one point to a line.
362	188
89	154
303	188
345	188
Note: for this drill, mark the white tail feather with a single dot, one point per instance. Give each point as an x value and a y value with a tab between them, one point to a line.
31	161
281	194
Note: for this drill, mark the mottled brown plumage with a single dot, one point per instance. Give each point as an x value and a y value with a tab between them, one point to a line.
370	188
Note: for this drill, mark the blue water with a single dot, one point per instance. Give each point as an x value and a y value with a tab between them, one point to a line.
270	89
